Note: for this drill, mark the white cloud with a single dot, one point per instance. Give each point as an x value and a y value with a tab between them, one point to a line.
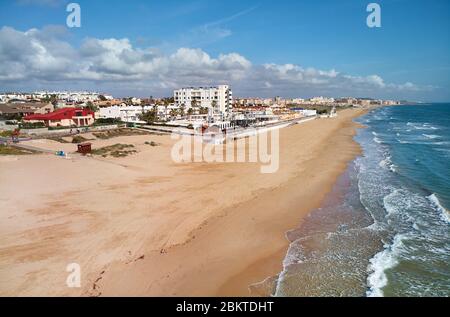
44	57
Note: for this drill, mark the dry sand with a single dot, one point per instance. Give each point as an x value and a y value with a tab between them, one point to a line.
145	226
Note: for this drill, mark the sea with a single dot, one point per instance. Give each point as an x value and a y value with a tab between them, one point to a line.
384	230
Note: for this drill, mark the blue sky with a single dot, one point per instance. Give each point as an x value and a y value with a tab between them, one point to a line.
327	45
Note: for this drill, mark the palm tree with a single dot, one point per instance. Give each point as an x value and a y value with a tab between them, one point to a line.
173	113
181	111
155	111
165	110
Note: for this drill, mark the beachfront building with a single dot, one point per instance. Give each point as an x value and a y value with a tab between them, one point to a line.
65	117
218	99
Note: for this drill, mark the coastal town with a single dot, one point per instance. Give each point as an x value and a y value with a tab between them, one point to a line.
191	110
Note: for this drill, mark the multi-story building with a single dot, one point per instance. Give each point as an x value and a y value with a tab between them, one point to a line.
219	98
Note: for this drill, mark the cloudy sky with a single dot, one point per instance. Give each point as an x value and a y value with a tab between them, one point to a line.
262	48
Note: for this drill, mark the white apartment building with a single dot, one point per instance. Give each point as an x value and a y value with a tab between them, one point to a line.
218	99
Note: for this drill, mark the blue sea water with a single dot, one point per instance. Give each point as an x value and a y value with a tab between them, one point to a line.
385	228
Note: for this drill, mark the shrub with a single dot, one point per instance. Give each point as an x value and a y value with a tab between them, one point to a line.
9	150
6	134
34	125
59	128
106	121
78	139
116	150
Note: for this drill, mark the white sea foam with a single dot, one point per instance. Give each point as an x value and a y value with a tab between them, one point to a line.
437	204
387	164
419	126
380	263
424	128
377	140
431	136
394	202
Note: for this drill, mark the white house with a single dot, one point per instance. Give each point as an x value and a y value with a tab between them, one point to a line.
124	113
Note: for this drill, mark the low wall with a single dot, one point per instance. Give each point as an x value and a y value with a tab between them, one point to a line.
47	132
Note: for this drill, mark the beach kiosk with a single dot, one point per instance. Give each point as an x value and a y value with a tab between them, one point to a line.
84	148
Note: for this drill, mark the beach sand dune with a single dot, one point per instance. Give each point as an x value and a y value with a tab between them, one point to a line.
144	226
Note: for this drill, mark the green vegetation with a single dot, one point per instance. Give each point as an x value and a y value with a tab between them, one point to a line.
182	109
34	125
107	121
173	113
52	99
78	139
116	150
63	128
118	132
10	150
323	111
11	117
151	143
149	116
91	106
6	134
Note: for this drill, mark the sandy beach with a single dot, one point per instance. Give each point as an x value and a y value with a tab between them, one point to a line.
143	225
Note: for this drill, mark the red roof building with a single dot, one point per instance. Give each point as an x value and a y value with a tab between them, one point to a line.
64	117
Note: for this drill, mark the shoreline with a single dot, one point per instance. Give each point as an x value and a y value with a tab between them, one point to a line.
266	286
215	235
267	263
